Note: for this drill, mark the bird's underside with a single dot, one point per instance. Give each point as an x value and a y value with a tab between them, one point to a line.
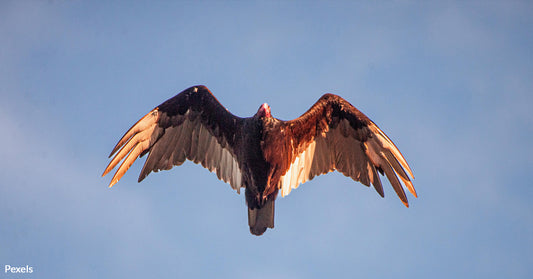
261	153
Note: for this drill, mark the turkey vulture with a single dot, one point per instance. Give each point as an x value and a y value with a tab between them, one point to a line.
262	154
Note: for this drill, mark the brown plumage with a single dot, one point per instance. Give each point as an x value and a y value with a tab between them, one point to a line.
262	154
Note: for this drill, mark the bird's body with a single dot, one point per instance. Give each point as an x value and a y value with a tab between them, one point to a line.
262	154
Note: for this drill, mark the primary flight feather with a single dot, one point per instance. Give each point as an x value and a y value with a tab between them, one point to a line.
261	153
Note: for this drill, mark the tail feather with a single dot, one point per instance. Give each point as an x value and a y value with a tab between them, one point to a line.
259	219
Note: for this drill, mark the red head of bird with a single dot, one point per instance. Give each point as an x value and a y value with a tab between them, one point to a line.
264	111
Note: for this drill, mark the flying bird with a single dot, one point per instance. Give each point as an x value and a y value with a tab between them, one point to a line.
262	154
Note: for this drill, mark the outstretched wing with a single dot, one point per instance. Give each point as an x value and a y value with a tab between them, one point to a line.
334	135
192	125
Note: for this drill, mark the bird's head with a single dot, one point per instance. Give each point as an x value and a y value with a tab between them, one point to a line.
263	111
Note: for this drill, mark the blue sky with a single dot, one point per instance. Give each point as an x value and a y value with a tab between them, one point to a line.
450	83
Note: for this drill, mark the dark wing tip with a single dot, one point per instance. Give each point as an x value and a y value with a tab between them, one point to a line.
379	189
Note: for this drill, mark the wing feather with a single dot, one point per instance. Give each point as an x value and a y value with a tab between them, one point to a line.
128	147
376	181
192	125
209	161
136	151
203	135
344	139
